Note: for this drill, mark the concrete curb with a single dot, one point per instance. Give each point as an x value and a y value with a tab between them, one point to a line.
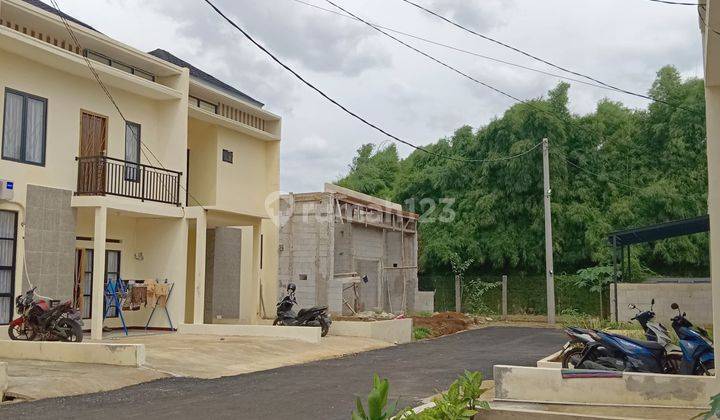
55	351
309	334
396	331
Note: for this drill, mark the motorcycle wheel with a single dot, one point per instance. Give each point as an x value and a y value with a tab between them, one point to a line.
705	370
324	327
571	357
17	332
72	330
278	321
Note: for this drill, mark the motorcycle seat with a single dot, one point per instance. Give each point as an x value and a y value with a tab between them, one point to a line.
652	345
313	309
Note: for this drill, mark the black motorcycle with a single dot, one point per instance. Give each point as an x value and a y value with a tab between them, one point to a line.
317	316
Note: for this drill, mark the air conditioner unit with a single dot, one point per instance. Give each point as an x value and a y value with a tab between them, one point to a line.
7	189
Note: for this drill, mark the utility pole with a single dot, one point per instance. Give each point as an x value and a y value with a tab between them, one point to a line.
549	274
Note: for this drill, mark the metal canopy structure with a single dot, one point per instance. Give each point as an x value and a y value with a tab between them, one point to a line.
660	231
623	239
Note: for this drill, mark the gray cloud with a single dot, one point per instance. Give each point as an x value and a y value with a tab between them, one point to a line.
404	93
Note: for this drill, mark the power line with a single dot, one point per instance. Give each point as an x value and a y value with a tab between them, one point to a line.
534	57
115	104
457	49
702	19
352	113
597	174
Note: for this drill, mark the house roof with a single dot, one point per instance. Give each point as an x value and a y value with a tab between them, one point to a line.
39	4
205	77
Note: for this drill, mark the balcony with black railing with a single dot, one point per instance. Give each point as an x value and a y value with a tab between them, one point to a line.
102	175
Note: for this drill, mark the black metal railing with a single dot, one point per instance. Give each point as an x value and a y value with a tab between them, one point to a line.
102	175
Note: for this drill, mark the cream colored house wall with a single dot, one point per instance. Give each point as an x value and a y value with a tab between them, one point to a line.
160	232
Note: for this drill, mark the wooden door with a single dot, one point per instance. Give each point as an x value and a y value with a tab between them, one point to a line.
93	146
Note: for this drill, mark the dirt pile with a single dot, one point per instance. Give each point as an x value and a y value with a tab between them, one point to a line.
444	323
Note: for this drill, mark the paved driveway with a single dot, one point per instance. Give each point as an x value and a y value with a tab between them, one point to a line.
318	390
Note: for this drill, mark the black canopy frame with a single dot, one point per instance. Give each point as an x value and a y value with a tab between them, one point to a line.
622	239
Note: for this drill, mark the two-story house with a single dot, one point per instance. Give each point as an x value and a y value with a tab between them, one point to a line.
163	177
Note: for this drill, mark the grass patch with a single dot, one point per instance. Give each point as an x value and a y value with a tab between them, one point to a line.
420	333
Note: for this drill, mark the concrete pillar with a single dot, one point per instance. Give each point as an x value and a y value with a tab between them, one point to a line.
249	288
98	285
200	244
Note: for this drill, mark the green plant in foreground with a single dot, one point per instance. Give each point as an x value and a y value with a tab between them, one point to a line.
377	401
420	333
460	402
714	411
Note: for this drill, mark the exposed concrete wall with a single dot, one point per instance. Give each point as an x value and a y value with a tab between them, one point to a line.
695	299
316	243
226	278
306	258
50	241
310	334
55	351
424	301
530	384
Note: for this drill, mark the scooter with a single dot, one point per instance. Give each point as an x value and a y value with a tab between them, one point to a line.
317	316
624	353
697	348
573	349
655	331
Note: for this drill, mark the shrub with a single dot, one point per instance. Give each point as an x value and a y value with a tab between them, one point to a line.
420	333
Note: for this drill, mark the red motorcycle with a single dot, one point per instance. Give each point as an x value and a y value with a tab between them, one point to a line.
43	319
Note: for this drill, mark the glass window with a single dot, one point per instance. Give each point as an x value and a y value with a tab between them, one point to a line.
24	127
145	75
207	106
123	67
97	57
227	156
132	151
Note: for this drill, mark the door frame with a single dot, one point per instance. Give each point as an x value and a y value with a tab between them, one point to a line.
12	267
80	130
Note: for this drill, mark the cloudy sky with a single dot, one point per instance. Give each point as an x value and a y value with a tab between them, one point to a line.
622	42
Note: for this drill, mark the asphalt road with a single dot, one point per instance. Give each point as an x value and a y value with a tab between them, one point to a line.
318	390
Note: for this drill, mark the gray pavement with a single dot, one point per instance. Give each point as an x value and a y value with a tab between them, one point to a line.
318	390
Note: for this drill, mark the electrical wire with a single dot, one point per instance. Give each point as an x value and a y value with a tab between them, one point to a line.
702	19
564	158
534	57
457	49
352	113
117	107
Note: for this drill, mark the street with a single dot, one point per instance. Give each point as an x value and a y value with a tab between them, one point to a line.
318	390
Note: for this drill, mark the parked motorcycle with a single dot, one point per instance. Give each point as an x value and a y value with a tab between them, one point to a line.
573	349
317	316
655	331
625	354
43	318
697	348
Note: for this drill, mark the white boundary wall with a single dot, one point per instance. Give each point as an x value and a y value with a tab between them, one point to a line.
693	298
55	351
546	385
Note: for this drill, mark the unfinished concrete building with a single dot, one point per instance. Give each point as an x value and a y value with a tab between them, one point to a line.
351	252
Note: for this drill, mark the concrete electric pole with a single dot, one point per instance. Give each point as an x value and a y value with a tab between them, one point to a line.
549	274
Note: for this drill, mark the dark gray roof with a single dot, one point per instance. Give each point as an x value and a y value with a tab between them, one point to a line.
48	8
661	231
205	77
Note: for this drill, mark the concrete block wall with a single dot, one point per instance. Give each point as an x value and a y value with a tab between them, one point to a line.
306	257
50	241
226	277
695	299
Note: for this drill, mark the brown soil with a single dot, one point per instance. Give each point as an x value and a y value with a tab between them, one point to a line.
444	323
